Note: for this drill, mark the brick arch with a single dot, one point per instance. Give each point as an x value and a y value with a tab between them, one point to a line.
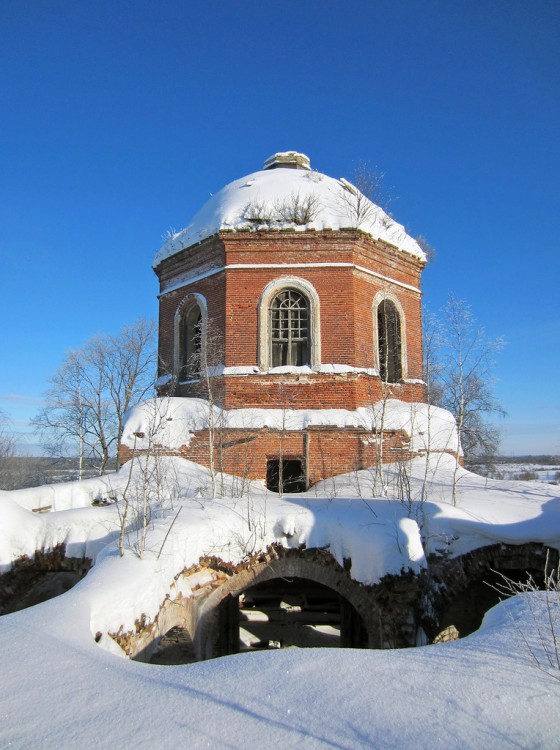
448	579
315	565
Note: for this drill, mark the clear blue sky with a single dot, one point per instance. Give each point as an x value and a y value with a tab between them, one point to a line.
118	119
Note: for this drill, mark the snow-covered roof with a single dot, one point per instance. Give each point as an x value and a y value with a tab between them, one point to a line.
288	194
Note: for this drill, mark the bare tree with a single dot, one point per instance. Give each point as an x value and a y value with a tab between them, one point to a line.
297	208
7	450
64	423
540	637
211	355
432	343
128	363
366	191
7	438
428	250
90	393
461	379
151	485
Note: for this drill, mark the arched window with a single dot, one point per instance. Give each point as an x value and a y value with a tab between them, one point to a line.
190	344
289	324
289	329
189	333
389	342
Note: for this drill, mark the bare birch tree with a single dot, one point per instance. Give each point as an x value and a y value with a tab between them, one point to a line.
209	357
461	378
90	393
151	486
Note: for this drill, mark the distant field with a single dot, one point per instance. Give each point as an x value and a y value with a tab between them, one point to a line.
19	472
522	468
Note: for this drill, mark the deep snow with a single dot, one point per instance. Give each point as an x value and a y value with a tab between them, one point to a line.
61	689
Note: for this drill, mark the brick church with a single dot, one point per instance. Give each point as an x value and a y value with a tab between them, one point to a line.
290	291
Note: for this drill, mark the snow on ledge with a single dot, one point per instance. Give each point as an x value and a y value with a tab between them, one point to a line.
323	369
170	422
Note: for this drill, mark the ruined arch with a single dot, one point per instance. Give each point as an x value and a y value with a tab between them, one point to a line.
314	565
461	583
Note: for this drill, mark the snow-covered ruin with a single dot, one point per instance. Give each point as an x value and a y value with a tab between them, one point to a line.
289	486
292	302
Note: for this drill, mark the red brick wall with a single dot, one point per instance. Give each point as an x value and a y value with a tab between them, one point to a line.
328	451
345	293
346	391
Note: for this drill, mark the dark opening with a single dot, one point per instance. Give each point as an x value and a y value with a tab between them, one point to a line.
289	613
467	609
35	588
389	336
285	475
191	343
175	647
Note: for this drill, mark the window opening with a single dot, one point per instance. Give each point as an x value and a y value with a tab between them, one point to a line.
191	343
285	475
289	329
389	341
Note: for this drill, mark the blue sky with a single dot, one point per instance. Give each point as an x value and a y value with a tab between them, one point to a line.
119	119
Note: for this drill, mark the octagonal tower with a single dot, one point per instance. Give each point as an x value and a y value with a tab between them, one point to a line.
291	289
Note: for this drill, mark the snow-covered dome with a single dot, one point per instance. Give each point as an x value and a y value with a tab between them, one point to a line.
288	194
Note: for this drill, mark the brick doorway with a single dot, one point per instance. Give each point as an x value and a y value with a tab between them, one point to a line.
285	475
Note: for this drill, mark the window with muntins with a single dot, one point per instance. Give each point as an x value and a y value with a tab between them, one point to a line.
289	329
191	343
389	342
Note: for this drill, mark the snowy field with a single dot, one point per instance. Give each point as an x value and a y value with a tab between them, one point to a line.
61	689
536	471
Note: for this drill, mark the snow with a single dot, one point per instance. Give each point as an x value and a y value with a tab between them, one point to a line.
84	531
21	533
63	495
59	690
482	691
344	514
253	202
171	421
286	369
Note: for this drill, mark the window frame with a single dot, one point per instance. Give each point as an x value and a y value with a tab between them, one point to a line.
269	293
289	329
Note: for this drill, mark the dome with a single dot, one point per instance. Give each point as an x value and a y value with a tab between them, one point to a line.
288	194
